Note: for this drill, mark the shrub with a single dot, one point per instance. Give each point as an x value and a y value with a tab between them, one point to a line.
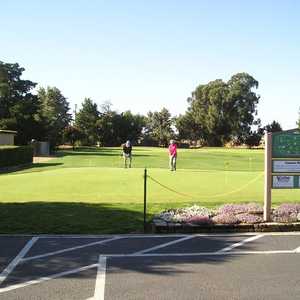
235	209
225	219
287	212
249	218
183	215
200	220
14	156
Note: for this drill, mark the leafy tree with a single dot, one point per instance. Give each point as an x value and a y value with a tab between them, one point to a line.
130	126
114	128
187	127
273	127
254	138
72	135
18	106
53	114
87	120
159	126
225	109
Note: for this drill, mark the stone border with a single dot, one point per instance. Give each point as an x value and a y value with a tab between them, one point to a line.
160	226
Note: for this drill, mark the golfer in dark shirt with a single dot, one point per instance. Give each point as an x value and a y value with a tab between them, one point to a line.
127	148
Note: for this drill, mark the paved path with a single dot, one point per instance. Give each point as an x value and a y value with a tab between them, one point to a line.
233	266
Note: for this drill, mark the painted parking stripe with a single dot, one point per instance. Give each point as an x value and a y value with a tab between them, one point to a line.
241	243
202	254
297	250
164	245
100	279
43	279
69	249
17	259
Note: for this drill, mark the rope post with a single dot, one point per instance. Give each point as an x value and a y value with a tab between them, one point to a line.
145	199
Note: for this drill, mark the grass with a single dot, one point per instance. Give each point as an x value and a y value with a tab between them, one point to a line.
88	191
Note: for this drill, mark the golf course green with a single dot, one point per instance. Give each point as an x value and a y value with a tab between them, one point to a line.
95	177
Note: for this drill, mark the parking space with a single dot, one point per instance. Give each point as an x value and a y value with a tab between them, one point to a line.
221	266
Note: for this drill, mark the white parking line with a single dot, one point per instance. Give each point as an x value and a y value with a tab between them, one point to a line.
17	259
297	250
42	279
100	280
241	243
69	249
227	253
164	245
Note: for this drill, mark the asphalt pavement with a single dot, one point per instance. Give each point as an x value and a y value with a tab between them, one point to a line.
203	266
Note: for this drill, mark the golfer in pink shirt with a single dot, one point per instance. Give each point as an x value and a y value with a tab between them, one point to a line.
172	155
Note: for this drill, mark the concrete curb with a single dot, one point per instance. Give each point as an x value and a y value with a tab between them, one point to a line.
165	227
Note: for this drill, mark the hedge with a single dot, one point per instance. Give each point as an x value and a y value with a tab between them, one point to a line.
14	156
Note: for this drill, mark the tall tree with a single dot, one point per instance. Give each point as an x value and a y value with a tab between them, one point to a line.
224	110
159	126
187	128
18	106
87	121
54	114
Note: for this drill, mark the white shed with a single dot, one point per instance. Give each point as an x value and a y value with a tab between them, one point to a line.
7	137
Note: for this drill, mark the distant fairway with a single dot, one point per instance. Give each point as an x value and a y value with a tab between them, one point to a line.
96	178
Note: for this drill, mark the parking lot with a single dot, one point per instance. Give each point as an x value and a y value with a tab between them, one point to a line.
221	266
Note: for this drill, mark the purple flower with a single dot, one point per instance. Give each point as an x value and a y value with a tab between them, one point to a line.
249	218
225	219
235	209
287	209
199	220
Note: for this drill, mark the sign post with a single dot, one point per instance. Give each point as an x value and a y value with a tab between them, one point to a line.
282	164
268	177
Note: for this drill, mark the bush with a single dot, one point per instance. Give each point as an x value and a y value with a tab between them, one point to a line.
287	212
14	156
235	209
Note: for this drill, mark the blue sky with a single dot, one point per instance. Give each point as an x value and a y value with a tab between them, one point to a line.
145	55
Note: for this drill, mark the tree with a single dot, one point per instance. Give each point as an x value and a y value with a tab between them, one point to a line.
114	128
187	127
18	106
54	114
273	127
87	120
130	126
159	126
224	109
72	135
254	137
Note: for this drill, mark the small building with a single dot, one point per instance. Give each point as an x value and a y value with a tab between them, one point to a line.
7	137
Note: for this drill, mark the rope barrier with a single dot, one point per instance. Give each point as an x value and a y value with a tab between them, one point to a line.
212	196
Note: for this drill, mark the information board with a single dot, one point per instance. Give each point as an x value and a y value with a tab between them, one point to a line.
286	166
282	164
285	182
286	144
286	159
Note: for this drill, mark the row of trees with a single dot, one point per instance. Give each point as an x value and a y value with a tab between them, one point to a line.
42	116
218	112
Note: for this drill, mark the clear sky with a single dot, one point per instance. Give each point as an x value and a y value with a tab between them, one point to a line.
145	55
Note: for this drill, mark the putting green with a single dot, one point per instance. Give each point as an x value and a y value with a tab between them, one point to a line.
108	185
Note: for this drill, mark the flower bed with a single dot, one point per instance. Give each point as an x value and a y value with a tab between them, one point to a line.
229	214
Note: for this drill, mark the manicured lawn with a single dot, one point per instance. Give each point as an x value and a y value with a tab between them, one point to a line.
87	190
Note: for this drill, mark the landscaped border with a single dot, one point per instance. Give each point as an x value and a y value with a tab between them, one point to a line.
159	226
